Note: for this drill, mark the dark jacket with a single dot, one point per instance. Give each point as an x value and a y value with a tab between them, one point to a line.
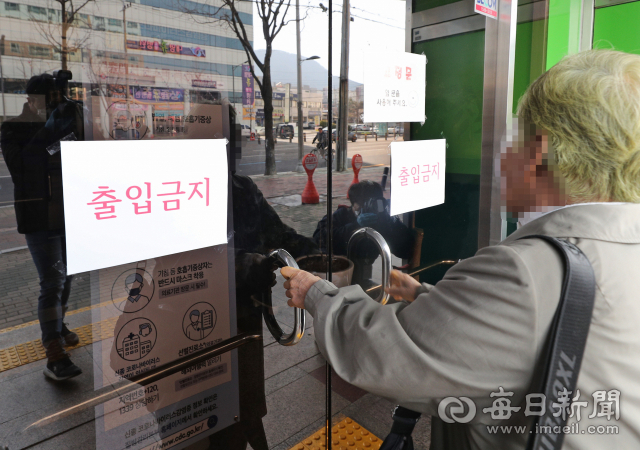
257	230
37	175
398	236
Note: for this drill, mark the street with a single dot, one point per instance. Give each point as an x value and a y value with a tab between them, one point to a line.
6	185
252	162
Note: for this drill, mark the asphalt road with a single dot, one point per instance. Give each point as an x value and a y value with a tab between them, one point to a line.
252	161
6	185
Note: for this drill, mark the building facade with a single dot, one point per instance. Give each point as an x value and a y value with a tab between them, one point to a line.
170	57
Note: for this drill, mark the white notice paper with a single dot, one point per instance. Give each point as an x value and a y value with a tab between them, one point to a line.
128	201
417	175
394	87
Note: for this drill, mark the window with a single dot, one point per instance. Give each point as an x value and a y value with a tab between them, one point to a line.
15	48
39	51
115	23
37	10
11	6
98	23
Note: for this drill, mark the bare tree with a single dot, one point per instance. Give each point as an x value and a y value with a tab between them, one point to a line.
69	37
272	15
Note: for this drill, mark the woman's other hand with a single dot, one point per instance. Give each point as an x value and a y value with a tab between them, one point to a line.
297	285
403	287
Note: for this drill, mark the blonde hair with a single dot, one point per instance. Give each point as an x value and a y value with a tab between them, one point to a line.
590	105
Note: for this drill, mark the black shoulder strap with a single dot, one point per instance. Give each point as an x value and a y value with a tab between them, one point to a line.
567	340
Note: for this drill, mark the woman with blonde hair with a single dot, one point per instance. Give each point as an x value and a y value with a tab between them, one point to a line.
480	333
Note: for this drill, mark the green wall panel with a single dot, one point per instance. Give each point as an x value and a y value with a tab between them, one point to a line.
454	98
422	5
454	110
617	27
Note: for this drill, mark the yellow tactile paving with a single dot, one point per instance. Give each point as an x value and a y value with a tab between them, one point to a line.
69	313
345	435
32	351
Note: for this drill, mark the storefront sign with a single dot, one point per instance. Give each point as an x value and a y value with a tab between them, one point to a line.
395	88
247	85
164	47
417	175
156	95
487	8
275	95
248	113
203	83
142	199
160	310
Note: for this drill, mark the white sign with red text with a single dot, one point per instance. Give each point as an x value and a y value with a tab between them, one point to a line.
133	200
417	175
487	8
394	87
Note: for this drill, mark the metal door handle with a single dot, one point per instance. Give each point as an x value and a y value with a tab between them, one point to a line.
383	248
283	258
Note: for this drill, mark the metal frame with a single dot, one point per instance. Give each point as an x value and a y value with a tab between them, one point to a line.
385	253
500	40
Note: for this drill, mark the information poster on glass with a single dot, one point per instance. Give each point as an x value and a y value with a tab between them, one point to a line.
148	314
395	86
417	175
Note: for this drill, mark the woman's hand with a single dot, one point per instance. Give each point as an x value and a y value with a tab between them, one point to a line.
297	284
403	287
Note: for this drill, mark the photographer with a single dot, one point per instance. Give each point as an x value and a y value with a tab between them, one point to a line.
368	208
47	117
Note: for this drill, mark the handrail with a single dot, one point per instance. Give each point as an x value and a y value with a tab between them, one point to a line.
146	378
284	259
420	270
383	248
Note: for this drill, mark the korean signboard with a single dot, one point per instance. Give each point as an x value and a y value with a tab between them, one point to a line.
203	84
152	312
395	87
157	95
275	95
128	203
247	85
417	175
248	113
164	47
487	8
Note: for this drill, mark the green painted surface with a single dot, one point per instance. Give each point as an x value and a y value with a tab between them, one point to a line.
617	27
454	110
454	98
529	61
563	30
422	5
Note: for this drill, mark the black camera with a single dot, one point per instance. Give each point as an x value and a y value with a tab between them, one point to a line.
61	78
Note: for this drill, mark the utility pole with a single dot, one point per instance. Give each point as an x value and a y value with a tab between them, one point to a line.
4	107
126	66
343	110
299	167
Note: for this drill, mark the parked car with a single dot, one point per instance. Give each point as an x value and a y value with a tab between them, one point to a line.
284	131
399	130
245	130
260	131
352	136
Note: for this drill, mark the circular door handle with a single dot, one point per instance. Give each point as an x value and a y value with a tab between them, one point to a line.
283	258
383	248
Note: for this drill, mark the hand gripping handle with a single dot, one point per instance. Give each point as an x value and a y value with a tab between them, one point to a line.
370	233
283	258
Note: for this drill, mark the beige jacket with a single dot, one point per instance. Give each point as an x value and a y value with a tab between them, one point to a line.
484	325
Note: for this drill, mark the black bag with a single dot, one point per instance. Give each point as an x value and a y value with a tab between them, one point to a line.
567	341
